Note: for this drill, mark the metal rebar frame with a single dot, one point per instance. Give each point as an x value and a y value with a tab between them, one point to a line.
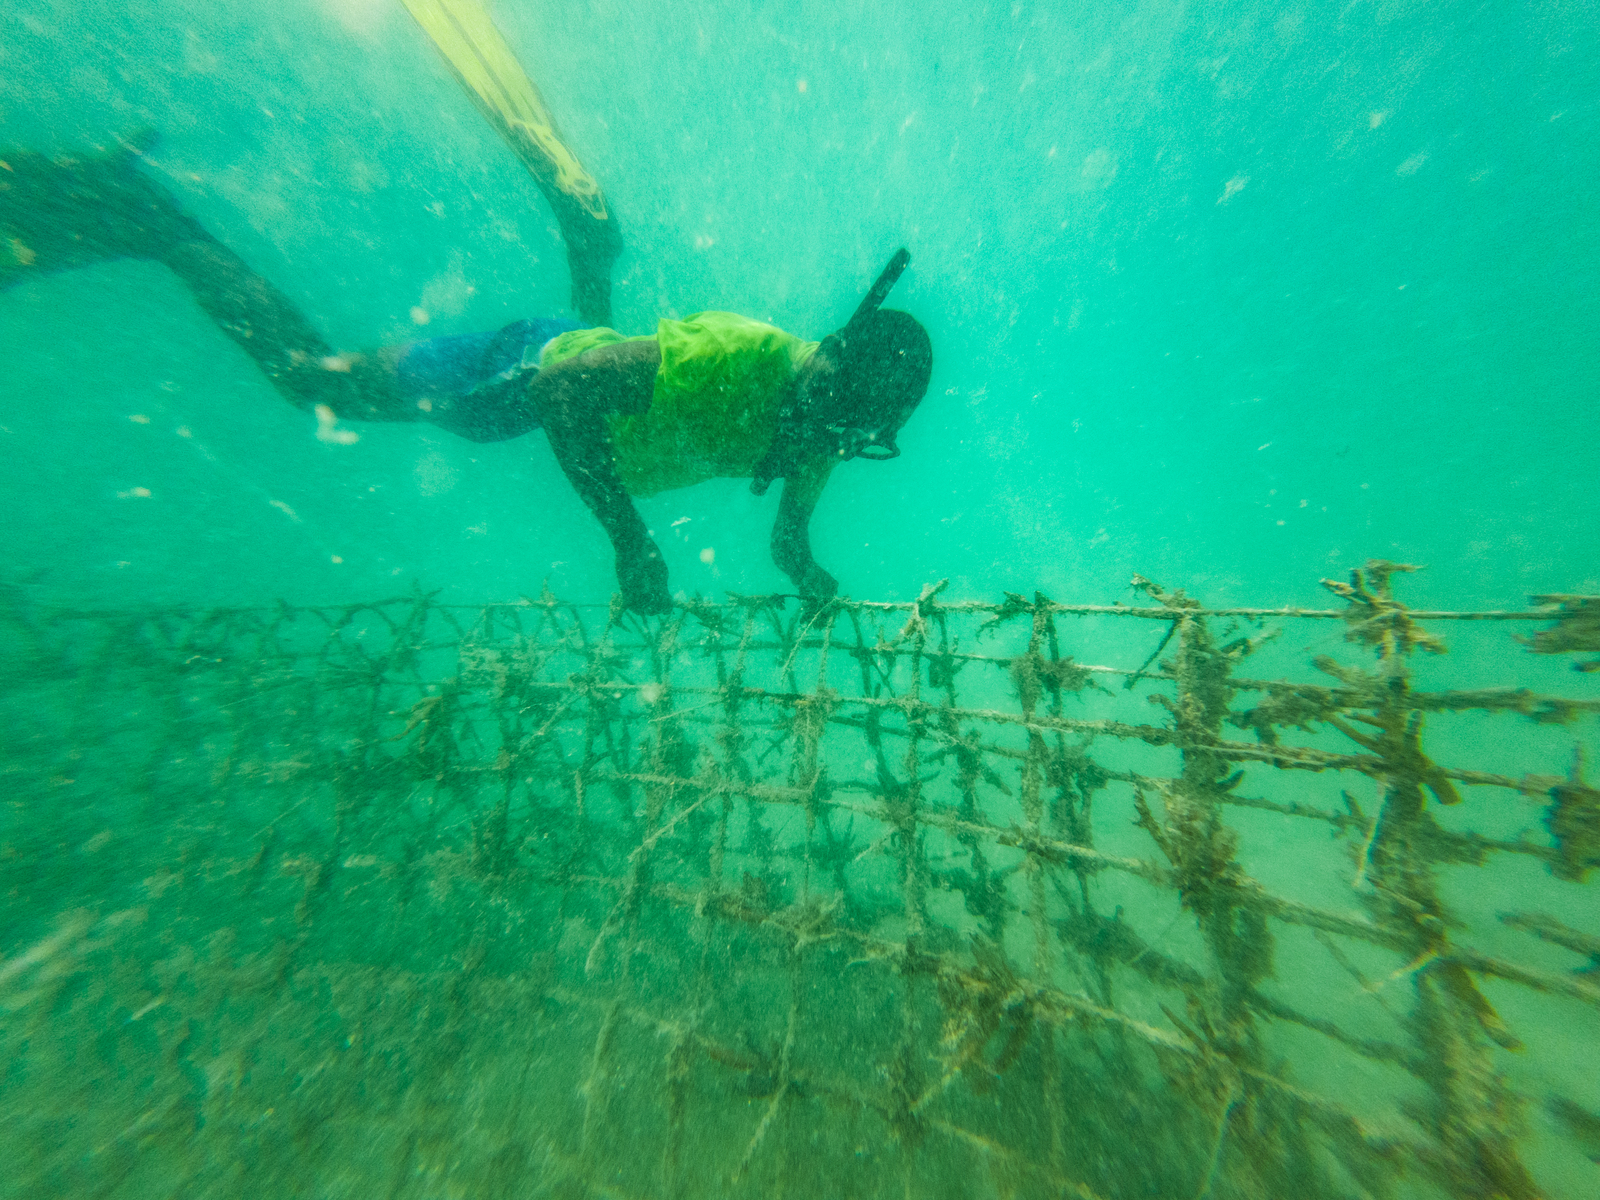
415	899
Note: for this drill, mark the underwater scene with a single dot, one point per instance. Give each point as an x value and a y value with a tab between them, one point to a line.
800	600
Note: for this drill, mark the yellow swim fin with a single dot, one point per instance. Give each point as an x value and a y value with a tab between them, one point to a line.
477	54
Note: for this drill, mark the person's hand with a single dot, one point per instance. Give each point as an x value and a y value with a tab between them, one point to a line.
643	578
817	587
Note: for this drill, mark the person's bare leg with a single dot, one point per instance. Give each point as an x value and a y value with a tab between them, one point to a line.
267	326
57	215
60	214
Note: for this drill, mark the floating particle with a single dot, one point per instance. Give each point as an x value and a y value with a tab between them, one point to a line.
328	430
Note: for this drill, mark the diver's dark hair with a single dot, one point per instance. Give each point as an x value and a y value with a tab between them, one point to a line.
885	359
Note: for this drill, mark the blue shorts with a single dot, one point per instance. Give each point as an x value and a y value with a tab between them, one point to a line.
476	384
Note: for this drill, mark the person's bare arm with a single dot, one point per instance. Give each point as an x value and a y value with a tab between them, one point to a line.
573	399
791	536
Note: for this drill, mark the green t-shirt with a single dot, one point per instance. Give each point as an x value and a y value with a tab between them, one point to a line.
715	405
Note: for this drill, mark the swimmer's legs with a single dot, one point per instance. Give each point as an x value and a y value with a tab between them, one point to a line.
60	214
57	215
267	326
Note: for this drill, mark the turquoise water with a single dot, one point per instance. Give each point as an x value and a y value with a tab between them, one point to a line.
1189	271
1236	296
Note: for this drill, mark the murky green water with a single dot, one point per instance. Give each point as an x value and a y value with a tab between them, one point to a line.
1236	297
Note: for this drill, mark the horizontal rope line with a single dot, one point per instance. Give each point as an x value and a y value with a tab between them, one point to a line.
1143	612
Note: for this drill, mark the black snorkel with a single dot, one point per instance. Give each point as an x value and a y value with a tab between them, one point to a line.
873	300
853	442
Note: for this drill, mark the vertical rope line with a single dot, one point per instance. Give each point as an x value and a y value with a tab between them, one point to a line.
622	927
983	888
1204	848
807	770
1057	767
600	740
681	1054
907	803
1028	677
733	742
903	802
1471	1109
595	1089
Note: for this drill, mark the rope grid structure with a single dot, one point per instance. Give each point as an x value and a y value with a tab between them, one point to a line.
527	899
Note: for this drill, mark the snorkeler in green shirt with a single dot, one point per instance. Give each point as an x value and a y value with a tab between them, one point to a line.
721	395
712	395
